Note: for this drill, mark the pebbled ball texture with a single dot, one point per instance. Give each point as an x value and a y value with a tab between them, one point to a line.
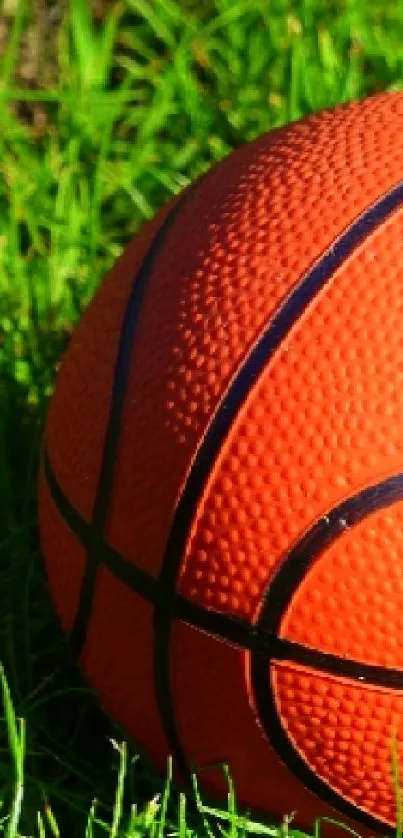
321	422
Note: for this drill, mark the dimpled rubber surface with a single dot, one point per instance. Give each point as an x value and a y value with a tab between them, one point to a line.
120	615
344	731
219	724
323	420
65	570
350	602
76	434
252	227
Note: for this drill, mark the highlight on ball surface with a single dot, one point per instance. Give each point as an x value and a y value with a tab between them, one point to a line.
221	485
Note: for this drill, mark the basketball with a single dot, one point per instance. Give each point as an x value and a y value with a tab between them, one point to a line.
221	477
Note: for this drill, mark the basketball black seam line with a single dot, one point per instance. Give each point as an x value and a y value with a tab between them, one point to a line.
119	385
275	602
282	744
265	647
234	630
286	316
257	359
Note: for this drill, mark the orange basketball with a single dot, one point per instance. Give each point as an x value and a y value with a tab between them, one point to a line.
221	486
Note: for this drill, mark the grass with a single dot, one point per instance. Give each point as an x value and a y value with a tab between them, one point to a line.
142	101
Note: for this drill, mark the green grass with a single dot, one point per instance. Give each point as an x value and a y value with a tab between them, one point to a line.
145	100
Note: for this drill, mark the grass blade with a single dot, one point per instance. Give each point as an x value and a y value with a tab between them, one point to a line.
16	740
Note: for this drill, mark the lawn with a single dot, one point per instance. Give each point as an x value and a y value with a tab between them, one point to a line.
113	113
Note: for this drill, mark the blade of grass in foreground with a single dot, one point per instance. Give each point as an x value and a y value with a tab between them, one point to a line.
16	740
118	804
